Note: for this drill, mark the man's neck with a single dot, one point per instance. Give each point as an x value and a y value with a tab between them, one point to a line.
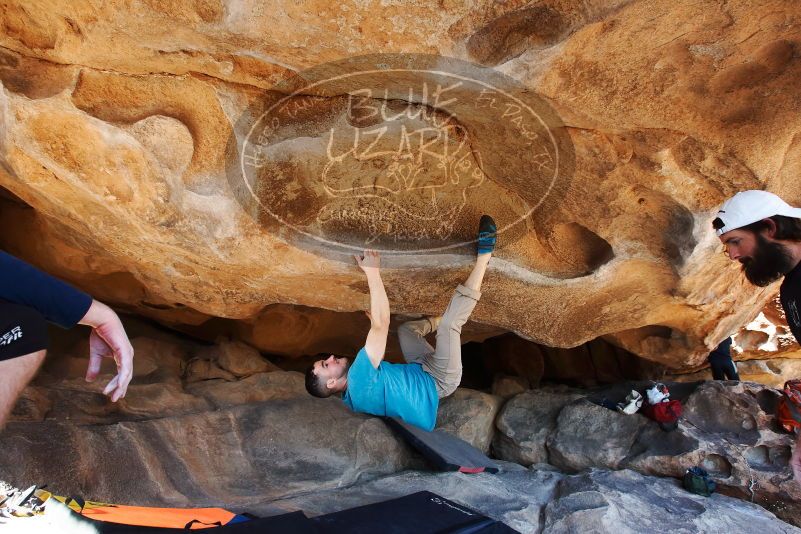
795	253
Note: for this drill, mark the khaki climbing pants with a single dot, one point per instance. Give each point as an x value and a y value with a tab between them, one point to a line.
443	363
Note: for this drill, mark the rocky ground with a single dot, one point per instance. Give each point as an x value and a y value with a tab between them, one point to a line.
220	425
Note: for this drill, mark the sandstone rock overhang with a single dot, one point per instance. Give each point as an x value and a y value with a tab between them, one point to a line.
115	120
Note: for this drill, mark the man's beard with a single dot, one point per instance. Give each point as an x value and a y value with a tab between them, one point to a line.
771	261
345	369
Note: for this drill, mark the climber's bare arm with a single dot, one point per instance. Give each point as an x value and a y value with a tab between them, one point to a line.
376	343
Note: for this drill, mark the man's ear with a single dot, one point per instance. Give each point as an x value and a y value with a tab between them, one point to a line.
770	231
331	383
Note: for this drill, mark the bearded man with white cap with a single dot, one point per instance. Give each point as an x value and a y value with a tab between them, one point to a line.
763	233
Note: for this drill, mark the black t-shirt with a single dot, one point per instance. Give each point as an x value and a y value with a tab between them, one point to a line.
722	352
790	295
58	302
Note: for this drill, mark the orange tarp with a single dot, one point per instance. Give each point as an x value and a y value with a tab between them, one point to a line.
151	517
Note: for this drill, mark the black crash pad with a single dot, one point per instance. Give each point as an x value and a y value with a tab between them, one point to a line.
421	513
443	451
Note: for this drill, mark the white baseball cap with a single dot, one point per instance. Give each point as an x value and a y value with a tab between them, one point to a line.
748	207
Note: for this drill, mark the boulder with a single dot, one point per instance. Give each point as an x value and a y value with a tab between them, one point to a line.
260	387
237	358
525	422
234	456
469	415
588	435
626	501
728	428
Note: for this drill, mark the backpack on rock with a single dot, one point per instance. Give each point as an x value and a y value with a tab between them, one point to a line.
665	413
661	409
657	393
790	407
696	480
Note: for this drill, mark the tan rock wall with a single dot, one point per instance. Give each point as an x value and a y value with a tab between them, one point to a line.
115	122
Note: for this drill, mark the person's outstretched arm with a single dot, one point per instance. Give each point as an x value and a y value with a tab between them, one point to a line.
62	304
376	343
108	340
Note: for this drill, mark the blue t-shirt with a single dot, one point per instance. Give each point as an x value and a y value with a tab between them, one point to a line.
401	390
22	283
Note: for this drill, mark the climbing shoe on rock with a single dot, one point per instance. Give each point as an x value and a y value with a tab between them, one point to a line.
486	234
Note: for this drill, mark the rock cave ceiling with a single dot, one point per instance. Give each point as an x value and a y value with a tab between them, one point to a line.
197	160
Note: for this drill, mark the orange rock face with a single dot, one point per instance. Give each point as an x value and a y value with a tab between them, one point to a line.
122	126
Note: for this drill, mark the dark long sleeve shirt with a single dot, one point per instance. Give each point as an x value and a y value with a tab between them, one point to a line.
59	302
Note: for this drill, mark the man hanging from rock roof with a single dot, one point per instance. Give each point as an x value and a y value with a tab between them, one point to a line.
29	299
763	233
409	391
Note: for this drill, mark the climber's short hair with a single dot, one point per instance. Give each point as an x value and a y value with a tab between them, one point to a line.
315	386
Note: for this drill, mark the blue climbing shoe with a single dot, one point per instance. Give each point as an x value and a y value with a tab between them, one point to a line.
486	234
